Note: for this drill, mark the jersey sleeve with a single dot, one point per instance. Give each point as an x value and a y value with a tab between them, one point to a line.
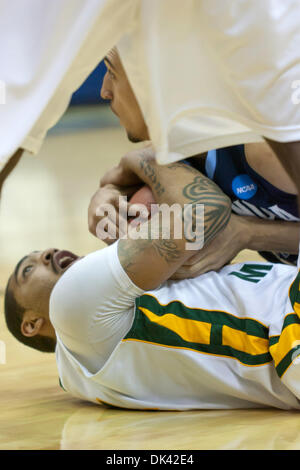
92	307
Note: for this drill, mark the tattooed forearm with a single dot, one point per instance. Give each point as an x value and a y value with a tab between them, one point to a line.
150	172
217	206
200	186
130	252
203	191
183	166
151	259
167	249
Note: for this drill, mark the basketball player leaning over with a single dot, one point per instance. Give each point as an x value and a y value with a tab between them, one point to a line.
264	219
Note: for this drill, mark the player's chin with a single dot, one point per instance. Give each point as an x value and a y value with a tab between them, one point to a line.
133	138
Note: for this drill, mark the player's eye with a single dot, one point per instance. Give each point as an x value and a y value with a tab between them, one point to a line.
27	270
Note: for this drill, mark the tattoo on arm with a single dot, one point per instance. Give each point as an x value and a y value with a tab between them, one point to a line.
130	251
216	205
183	166
149	171
167	249
201	190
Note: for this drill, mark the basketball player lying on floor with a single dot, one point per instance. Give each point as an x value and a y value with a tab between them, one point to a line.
127	336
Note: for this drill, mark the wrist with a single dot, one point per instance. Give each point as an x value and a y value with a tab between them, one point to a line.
136	162
127	191
111	186
243	231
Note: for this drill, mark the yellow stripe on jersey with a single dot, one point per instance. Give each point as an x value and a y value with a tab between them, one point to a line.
297	308
289	339
243	342
192	331
214	332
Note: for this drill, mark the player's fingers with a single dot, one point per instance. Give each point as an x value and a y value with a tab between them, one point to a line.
190	272
179	276
93	212
139	211
182	274
107	232
100	209
92	227
92	221
119	225
196	258
209	251
111	176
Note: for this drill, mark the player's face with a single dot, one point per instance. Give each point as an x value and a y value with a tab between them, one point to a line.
36	275
123	103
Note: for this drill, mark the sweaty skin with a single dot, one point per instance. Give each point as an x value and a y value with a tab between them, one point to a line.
265	162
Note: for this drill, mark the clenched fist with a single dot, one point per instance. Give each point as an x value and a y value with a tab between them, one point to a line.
106	203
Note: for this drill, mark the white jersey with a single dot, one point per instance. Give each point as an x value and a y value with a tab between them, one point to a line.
227	339
209	75
215	73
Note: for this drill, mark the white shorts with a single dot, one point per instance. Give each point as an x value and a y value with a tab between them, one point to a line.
216	72
211	74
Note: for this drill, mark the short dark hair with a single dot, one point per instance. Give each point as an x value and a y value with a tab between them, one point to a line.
14	316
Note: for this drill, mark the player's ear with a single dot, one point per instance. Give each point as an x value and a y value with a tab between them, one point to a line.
31	324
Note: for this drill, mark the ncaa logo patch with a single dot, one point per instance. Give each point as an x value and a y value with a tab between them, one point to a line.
243	187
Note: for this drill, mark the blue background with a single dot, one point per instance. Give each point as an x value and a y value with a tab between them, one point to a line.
89	92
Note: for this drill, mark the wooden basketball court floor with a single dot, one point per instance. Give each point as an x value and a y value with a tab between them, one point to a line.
44	204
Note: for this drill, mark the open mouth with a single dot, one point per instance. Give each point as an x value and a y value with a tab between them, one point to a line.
63	260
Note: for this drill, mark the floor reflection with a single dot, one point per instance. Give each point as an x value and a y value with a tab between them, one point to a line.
92	428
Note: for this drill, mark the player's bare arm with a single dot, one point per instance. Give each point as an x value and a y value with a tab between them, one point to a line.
241	233
170	184
10	166
289	155
246	232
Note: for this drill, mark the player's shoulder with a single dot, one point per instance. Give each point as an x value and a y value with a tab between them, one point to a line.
76	274
92	285
74	289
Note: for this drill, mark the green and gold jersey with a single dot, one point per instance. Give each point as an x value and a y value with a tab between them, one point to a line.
227	339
